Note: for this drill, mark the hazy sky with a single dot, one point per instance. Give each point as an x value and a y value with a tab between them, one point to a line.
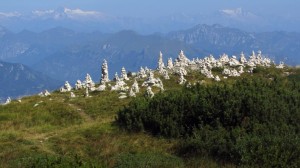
150	8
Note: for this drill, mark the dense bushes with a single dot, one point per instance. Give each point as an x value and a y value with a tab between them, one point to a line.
254	121
43	161
127	160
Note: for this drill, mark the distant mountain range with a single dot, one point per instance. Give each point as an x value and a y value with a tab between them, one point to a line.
19	80
281	46
89	20
64	54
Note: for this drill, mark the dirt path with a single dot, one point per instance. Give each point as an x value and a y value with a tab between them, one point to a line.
41	139
82	113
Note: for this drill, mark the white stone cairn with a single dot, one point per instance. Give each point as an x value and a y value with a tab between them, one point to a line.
66	88
224	59
132	93
170	64
217	78
233	61
104	72
243	59
78	85
72	95
149	92
207	72
234	73
101	87
250	70
142	73
135	87
280	66
45	93
87	92
161	65
120	84
166	75
241	69
89	83
182	60
182	70
150	81
8	101
147	70
116	77
182	80
124	74
159	84
226	71
122	95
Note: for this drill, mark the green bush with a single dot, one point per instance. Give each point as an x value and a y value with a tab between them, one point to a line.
47	161
128	160
254	121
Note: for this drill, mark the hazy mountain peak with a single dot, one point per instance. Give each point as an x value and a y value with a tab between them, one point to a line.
64	12
3	31
12	74
9	14
237	13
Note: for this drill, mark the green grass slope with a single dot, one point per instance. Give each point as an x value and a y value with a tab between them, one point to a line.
59	131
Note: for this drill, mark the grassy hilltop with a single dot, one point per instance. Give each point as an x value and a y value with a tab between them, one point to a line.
102	130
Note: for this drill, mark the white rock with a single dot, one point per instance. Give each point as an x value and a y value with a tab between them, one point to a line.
217	78
150	81
89	83
8	101
122	97
161	65
142	73
280	66
182	80
166	75
170	64
104	72
124	74
101	87
87	92
66	88
78	85
182	60
72	95
149	92
243	59
135	87
241	69
131	93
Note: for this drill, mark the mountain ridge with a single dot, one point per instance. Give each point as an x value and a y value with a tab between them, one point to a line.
64	54
19	80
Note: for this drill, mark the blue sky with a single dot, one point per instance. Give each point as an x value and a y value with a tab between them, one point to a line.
150	8
256	15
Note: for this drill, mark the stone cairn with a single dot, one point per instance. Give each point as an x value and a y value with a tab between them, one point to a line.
78	85
8	101
66	88
124	74
45	93
161	65
232	67
104	72
104	76
89	83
